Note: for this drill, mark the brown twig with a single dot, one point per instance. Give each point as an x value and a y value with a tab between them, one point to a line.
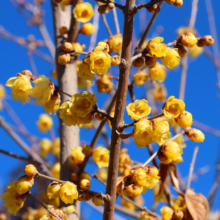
19	157
106	24
36	200
29	151
191	169
152	2
147	30
116	20
33	66
125	68
116	4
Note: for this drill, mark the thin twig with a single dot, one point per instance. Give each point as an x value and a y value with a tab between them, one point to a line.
19	157
147	30
96	25
48	178
33	66
116	20
193	13
148	4
106	24
36	200
116	4
191	168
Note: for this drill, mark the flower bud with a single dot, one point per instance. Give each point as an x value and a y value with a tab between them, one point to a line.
116	60
68	209
181	51
97	200
78	47
23	184
184	120
85	184
74	177
87	150
102	9
30	170
166	212
53	190
177	215
85	175
205	41
27	73
170	1
134	190
150	62
153	8
178	3
195	135
63	59
188	40
138	63
63	30
87	29
67	47
140	77
99	116
111	5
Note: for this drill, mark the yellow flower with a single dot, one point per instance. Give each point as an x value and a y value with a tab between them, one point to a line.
102	46
87	29
83	12
180	204
85	72
134	190
115	43
53	202
44	122
100	62
84	83
158	72
145	216
13	202
101	156
55	170
138	109
173	107
159	93
169	152
127	205
56	147
45	147
103	174
53	190
156	48
140	78
77	156
172	58
195	135
184	120
116	60
161	131
83	103
68	192
20	87
147	177
143	133
159	196
104	83
180	140
195	51
42	90
53	104
23	184
166	212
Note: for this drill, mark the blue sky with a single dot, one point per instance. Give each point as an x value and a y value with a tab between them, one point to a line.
201	97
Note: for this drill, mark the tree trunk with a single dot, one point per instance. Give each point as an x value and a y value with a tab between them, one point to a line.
67	81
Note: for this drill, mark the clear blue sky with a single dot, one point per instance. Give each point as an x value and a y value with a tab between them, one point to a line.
201	98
